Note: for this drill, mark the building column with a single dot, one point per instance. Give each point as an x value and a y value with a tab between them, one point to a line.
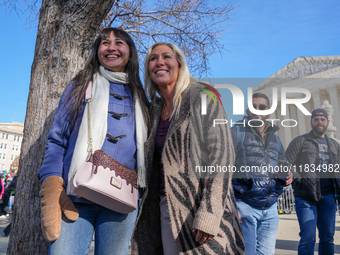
301	122
316	99
277	115
333	94
274	115
287	130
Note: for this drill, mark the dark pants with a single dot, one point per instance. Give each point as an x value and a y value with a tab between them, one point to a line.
7	230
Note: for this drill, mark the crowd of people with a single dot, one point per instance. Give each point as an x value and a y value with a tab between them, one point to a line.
315	182
7	195
162	134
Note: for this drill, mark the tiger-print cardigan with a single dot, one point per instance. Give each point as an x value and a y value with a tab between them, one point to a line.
207	204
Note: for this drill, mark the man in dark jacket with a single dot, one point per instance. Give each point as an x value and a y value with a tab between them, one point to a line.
315	158
259	153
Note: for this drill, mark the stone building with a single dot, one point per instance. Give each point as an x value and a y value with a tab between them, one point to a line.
321	77
10	143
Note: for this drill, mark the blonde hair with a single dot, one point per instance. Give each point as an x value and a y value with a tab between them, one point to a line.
182	82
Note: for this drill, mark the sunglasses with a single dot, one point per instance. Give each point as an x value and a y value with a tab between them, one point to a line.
260	107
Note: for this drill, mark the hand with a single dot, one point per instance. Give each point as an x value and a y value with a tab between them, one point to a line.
53	201
289	178
239	217
202	237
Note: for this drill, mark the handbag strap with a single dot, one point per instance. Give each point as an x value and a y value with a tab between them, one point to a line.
88	100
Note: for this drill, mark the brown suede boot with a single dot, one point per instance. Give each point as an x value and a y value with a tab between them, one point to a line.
53	201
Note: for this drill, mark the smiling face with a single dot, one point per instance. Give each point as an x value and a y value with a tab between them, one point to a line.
113	53
163	66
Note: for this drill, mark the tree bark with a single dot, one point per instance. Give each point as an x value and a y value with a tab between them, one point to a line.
66	31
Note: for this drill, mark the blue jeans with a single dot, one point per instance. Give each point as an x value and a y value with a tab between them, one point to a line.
259	228
311	216
112	232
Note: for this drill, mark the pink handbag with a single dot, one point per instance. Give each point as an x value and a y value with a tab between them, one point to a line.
103	180
106	182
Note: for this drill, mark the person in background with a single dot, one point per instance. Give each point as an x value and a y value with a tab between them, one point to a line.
257	192
2	187
315	157
10	193
119	109
6	196
182	213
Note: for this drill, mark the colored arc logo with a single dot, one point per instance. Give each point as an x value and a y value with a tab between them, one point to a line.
211	95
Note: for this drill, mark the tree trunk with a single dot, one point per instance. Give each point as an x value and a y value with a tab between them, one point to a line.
66	31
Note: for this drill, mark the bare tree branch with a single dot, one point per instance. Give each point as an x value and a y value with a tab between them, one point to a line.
193	25
23	6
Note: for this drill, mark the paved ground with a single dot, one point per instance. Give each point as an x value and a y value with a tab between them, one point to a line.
287	240
286	244
3	240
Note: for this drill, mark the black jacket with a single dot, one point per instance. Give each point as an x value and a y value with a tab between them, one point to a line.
303	154
9	187
262	189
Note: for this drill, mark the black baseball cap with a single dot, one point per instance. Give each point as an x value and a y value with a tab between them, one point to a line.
319	112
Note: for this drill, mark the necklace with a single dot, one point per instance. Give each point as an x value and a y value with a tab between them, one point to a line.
166	112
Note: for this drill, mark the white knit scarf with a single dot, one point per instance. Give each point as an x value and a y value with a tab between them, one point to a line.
99	108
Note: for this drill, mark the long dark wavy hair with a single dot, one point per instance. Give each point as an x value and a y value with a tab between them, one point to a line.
74	103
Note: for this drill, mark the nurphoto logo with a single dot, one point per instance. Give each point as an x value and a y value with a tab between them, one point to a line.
238	103
204	98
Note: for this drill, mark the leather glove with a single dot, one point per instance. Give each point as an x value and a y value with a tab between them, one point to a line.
53	201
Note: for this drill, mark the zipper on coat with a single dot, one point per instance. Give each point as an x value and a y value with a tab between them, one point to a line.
266	158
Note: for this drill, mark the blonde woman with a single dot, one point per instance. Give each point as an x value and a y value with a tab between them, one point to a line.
180	212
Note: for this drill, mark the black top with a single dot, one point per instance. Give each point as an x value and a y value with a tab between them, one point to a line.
160	140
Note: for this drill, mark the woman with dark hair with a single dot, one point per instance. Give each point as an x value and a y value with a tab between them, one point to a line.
119	122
